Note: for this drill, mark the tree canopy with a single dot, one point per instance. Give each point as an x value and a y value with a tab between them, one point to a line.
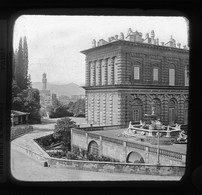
62	131
25	98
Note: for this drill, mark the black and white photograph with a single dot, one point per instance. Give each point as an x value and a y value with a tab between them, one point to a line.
99	98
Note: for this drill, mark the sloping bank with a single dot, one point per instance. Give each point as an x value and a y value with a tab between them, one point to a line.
20	130
112	167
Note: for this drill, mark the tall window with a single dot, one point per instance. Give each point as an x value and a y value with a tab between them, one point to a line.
136	72
155	74
171	76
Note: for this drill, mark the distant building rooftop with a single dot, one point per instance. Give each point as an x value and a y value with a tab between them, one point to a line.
135	36
19	113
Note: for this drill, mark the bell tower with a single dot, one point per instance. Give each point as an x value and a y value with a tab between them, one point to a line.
44	81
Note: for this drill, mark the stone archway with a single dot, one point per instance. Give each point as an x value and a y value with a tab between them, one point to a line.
93	148
134	157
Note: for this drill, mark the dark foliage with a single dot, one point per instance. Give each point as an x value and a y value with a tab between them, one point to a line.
62	131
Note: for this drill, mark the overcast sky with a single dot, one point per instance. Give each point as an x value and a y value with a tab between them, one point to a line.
55	42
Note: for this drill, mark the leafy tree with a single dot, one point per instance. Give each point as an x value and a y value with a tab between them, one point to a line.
60	111
28	100
79	108
62	131
15	89
71	107
25	60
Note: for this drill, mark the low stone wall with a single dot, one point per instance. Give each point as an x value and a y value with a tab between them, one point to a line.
18	131
111	167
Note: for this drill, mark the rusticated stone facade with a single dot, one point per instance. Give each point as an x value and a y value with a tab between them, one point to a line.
124	78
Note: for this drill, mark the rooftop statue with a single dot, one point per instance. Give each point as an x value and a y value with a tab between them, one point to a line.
121	37
93	43
152	34
130	32
146	35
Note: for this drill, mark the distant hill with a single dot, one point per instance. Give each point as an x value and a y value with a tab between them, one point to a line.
68	89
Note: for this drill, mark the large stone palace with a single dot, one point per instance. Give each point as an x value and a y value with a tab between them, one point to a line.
127	75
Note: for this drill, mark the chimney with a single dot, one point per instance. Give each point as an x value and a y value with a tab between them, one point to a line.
162	43
116	37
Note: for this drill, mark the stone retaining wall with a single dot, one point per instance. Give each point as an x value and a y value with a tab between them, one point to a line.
112	167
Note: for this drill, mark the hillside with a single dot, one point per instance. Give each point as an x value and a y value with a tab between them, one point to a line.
68	89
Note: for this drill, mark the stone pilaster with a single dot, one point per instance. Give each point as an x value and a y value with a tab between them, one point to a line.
92	73
104	72
116	71
104	109
98	73
181	110
111	109
92	109
109	64
98	109
121	62
112	72
86	107
165	110
87	73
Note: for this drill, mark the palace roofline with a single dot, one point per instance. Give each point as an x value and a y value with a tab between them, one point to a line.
125	42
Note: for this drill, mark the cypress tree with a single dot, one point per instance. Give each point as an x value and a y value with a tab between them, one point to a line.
25	61
21	65
20	76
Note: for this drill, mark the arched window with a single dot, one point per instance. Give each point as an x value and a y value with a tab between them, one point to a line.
172	75
93	148
172	111
156	103
136	110
186	112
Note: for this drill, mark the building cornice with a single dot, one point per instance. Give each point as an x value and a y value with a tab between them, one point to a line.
138	44
151	87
